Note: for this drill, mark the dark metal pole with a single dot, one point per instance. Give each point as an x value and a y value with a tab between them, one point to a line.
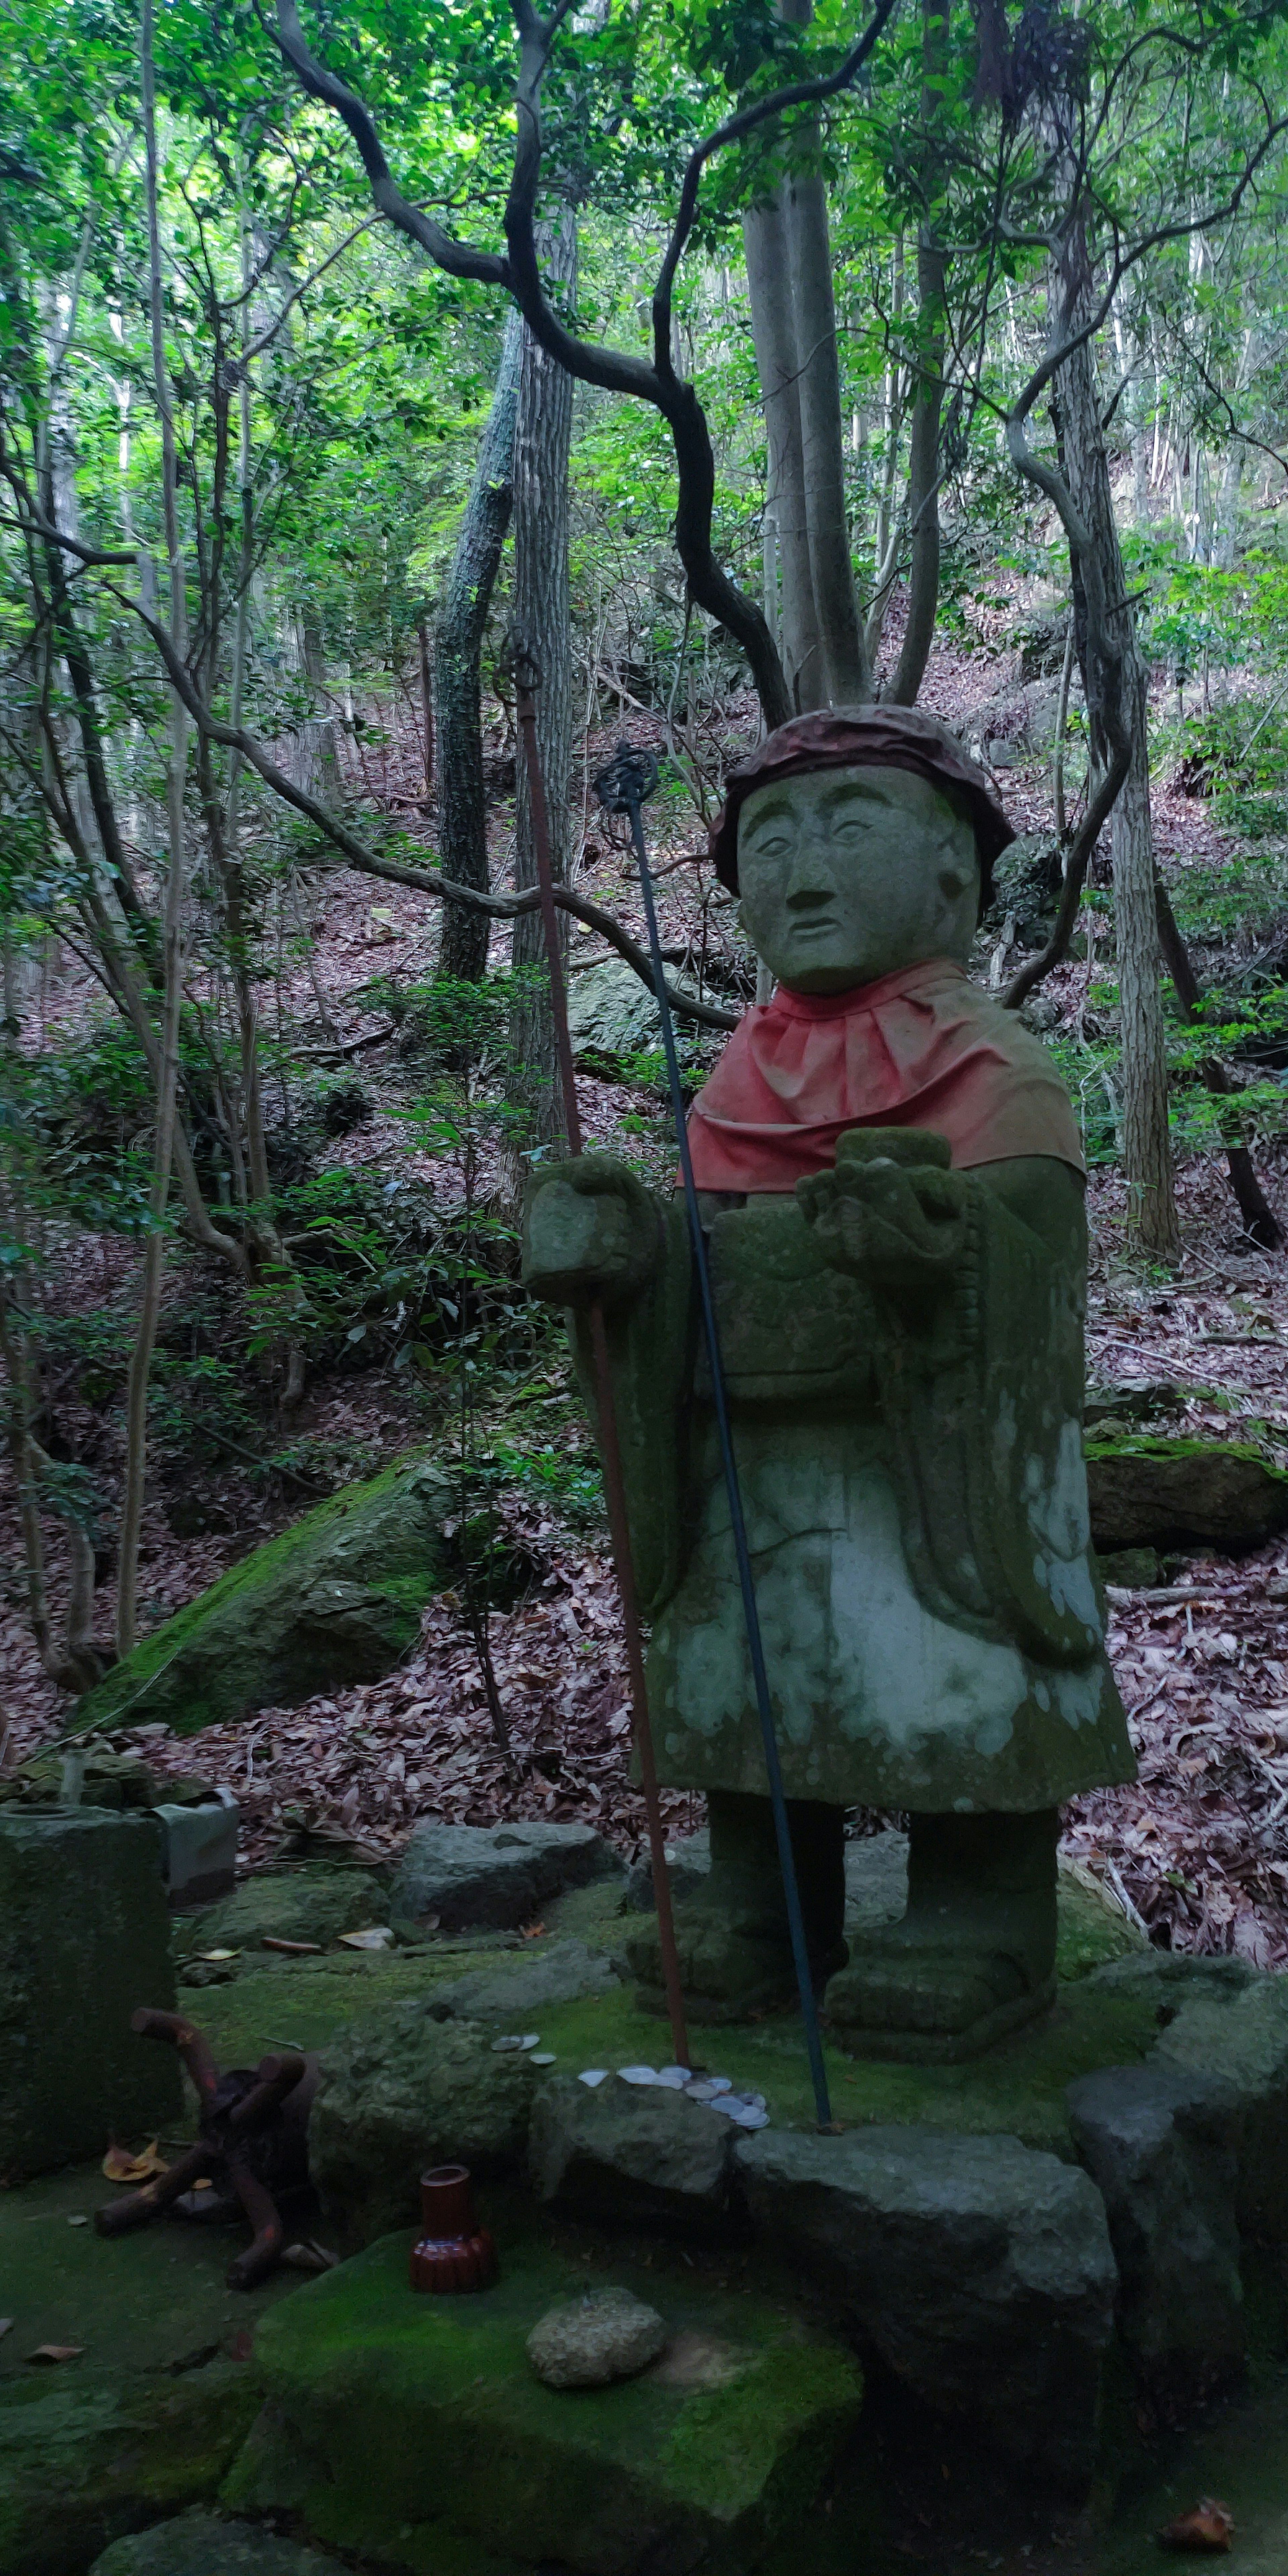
621	789
526	672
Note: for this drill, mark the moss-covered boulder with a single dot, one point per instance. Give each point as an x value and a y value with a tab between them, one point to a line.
416	2431
1183	1493
336	1598
402	2091
310	1904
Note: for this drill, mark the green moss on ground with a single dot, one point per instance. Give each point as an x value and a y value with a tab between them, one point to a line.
149	2418
372	2392
306	2001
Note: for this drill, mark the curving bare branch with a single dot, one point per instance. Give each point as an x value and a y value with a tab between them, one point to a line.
498	907
613	370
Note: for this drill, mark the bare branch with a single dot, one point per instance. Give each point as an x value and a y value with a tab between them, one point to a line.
1089	830
499	907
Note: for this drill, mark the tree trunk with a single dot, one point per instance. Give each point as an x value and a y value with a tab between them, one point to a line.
845	669
542	446
1112	661
793	328
923	459
172	961
462	836
764	234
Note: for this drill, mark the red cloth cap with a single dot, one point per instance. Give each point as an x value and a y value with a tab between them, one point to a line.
863	738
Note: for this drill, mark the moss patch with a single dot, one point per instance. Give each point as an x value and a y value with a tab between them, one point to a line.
1018	2087
335	1598
151	2415
373	2393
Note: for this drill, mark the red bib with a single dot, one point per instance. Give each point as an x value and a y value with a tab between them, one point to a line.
921	1048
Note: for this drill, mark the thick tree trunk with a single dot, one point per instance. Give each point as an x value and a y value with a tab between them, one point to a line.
462	836
542	446
764	234
845	669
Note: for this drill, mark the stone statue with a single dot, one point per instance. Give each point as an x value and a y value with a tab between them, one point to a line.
892	1190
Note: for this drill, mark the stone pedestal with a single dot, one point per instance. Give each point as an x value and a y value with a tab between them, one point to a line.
84	1939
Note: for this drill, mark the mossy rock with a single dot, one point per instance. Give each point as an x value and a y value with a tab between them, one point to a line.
337	1598
310	1904
404	2426
403	2091
209	2544
1147	1493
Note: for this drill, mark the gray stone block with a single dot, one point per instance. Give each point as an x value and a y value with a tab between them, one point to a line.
400	2092
560	1975
979	2271
498	1876
206	2544
1160	2147
637	2156
84	1940
688	1868
1235	2042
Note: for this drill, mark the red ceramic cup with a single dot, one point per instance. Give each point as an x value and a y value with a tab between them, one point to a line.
454	2253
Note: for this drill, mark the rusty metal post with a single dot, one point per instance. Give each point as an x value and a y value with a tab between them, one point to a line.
526	672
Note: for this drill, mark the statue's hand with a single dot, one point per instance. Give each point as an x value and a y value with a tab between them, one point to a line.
591	1233
901	1228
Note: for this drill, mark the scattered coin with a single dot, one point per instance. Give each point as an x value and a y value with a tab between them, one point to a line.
543	2057
593	2075
637	2074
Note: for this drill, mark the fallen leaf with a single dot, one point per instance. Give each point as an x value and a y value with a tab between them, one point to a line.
377	1937
1206	2528
219	1954
56	2352
533	1931
309	2256
6	2325
297	1949
121	2165
78	2222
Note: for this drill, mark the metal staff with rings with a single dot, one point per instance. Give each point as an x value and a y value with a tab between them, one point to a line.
622	788
519	664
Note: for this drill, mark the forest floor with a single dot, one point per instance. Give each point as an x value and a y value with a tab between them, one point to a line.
1198	1848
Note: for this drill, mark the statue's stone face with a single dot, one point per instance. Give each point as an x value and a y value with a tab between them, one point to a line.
850	874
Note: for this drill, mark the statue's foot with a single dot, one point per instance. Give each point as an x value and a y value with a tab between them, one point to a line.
727	1971
928	2005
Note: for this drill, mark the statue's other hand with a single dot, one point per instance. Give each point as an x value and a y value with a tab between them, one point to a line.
900	1227
591	1232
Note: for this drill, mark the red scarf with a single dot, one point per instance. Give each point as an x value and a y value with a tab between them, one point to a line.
920	1048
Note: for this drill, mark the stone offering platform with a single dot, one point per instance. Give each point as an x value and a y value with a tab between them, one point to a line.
415	2429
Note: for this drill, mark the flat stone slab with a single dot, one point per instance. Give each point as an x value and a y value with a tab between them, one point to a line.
632	2155
396	2424
980	2271
208	2544
495	1875
84	1940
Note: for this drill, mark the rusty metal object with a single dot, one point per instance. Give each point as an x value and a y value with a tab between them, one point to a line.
454	2253
251	2139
